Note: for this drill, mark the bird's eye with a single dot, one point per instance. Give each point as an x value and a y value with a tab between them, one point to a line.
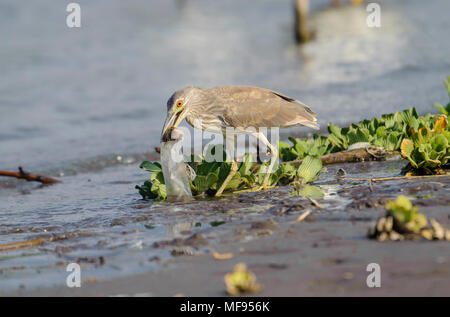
180	103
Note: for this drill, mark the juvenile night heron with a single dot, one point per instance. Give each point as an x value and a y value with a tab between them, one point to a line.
245	109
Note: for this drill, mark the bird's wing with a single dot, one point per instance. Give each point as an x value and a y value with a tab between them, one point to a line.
258	107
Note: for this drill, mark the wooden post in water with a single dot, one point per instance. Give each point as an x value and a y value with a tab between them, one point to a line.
302	32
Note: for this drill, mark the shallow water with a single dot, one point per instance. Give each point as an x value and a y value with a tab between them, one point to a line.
88	104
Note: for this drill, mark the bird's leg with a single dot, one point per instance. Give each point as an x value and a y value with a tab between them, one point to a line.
273	159
230	142
233	170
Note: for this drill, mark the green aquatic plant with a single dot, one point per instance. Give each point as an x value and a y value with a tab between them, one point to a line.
311	191
423	140
211	175
154	188
406	216
428	149
300	148
241	281
388	131
403	221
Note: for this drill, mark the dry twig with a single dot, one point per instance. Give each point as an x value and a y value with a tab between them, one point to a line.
303	216
29	176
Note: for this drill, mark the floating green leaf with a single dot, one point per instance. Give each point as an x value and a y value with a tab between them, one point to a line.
311	191
310	168
151	166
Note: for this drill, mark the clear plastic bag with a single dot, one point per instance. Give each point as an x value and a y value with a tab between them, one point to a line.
177	174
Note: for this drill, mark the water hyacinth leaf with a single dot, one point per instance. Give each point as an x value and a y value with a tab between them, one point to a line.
202	183
310	168
145	190
159	190
247	163
158	177
357	136
314	192
380	132
300	147
393	141
441	124
262	172
407	148
406	115
389	120
287	153
248	180
207	168
413	123
234	182
320	140
367	124
151	166
224	170
288	169
439	144
336	136
335	141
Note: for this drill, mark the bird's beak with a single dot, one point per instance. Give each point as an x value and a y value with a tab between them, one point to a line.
172	121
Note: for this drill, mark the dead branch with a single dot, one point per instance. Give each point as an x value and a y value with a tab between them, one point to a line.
356	155
35	242
29	176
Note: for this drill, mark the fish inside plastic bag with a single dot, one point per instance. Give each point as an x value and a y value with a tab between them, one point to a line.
177	174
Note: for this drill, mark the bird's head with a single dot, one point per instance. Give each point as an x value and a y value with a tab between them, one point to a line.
178	107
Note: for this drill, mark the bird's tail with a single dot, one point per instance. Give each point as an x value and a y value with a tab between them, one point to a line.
310	124
305	116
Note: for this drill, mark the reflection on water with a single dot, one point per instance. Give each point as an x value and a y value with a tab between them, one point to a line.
174	230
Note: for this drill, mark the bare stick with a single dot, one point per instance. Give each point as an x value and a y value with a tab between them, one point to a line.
370	184
356	155
391	178
21	244
29	176
303	216
314	202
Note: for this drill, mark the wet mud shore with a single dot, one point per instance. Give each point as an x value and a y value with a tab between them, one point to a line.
327	253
